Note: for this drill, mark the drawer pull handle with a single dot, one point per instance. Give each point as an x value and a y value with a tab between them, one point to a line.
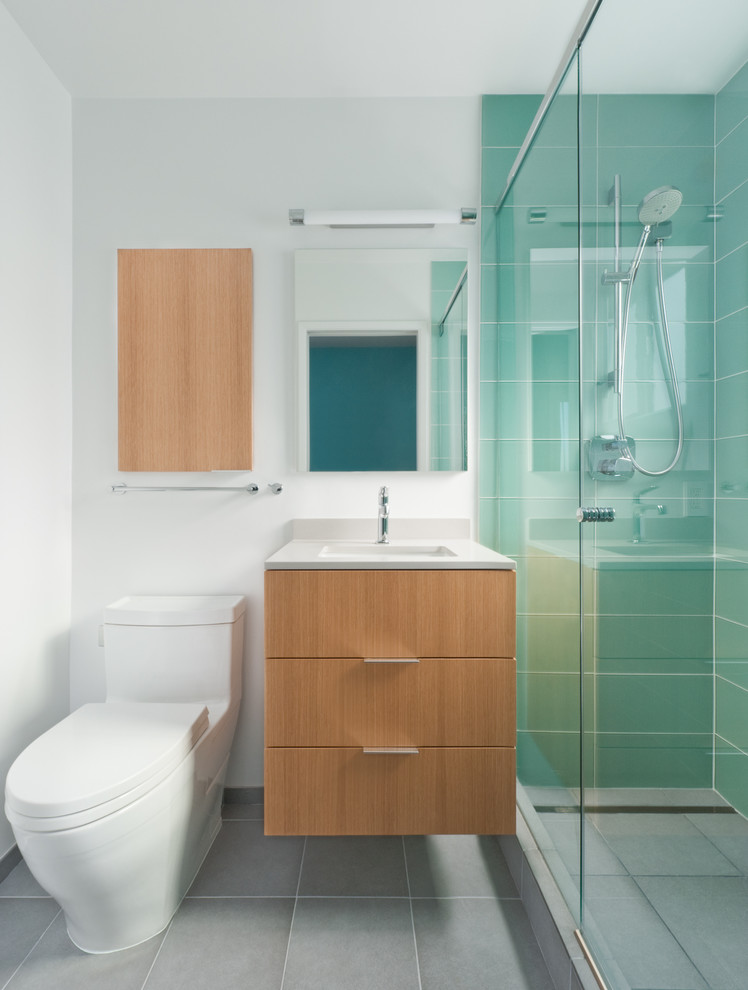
402	750
391	660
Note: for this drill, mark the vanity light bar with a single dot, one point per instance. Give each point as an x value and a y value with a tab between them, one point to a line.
380	218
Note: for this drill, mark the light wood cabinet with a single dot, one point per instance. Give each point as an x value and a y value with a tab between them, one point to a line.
389	702
387	613
185	359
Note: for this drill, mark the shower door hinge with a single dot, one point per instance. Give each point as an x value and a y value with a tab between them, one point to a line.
596	513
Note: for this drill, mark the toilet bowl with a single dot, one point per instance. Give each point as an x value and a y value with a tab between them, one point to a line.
115	807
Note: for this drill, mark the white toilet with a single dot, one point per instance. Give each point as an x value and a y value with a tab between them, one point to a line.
115	807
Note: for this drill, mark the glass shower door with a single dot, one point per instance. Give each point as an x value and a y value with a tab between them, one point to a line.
530	396
648	578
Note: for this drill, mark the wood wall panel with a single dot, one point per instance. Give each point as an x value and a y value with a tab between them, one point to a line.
381	613
185	359
348	792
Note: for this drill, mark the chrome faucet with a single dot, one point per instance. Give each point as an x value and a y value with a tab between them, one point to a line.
383	517
639	509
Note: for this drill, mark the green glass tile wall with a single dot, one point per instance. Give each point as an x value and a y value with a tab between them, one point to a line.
448	448
731	596
648	631
529	449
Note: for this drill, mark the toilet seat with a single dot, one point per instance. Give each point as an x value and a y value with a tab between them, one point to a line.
99	759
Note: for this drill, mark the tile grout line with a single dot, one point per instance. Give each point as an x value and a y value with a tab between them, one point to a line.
672	933
163	941
293	914
412	918
28	954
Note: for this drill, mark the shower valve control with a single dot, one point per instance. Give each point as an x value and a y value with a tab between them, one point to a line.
596	513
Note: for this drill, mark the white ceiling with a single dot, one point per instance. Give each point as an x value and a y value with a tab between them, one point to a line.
323	48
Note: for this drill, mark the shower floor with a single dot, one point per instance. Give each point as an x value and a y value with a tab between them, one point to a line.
665	884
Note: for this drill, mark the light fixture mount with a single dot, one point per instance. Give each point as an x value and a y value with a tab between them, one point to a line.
351	219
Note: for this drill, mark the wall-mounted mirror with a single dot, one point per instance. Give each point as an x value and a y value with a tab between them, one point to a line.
382	358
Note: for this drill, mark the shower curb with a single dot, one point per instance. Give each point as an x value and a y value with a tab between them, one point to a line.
549	916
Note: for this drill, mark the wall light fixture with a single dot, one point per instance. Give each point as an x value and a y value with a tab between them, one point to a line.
380	218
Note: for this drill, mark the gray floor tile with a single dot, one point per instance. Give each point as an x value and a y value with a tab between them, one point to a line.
22	923
20	883
224	944
729	833
354	866
599	859
636	937
244	862
457	866
477	944
343	943
243	812
57	963
662	845
708	917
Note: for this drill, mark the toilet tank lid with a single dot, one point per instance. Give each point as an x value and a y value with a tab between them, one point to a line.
175	610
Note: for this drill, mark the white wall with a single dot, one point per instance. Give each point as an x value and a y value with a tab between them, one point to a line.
35	396
206	173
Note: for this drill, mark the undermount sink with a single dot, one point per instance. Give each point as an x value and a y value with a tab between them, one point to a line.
339	550
350	545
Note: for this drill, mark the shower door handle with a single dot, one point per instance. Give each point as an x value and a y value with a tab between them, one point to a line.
596	513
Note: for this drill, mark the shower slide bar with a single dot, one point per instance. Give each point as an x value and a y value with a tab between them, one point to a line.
583	26
252	489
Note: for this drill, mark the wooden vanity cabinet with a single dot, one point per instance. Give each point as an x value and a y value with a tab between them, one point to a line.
389	702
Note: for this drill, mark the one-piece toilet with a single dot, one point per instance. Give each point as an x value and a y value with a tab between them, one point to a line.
115	807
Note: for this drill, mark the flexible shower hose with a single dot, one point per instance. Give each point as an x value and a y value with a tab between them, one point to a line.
671	369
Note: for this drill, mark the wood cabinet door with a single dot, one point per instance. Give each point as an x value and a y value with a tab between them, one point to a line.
388	613
185	359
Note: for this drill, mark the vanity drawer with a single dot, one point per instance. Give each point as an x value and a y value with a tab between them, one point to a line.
344	791
354	702
387	613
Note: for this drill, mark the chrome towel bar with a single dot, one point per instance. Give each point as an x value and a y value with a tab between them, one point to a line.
122	489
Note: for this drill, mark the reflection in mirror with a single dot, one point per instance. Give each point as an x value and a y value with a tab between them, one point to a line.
350	427
382	357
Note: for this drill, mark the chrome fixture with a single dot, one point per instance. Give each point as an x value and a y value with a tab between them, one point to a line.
583	25
655	209
452	300
122	489
596	513
537	214
609	458
381	218
639	509
383	516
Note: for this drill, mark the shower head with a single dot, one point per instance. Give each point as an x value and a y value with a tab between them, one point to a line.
656	207
659	205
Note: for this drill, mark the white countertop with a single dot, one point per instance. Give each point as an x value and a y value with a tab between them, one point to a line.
437	554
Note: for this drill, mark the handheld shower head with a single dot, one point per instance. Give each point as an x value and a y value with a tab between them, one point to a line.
659	205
